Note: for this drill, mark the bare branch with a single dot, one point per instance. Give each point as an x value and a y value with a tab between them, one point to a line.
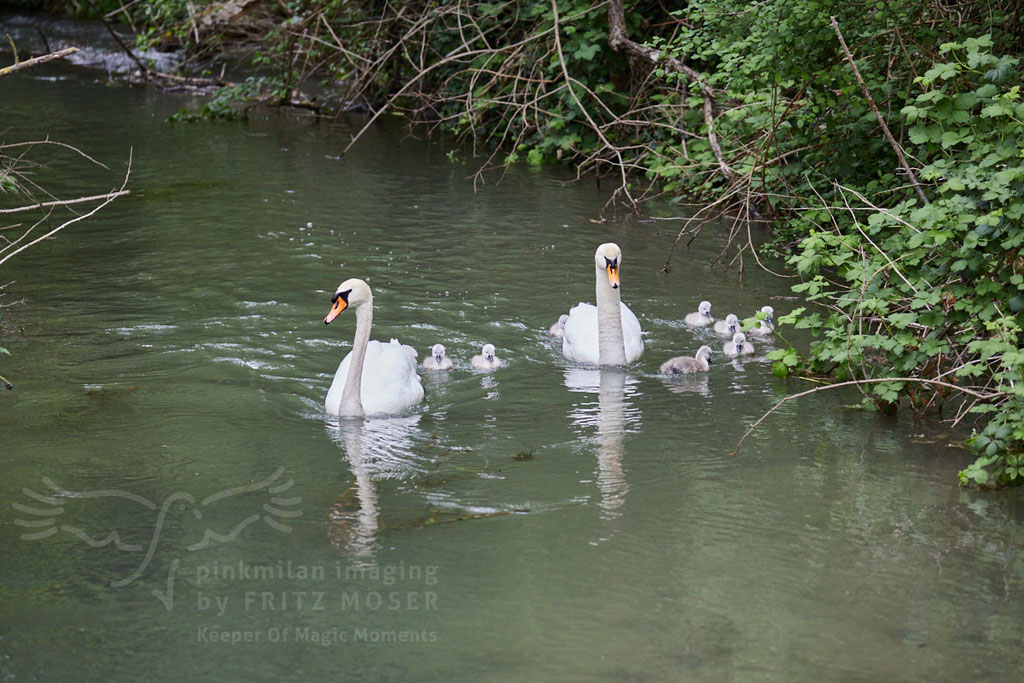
878	115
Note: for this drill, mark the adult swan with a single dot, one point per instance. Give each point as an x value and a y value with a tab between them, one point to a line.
374	378
609	333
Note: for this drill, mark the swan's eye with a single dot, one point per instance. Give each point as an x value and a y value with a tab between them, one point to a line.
341	295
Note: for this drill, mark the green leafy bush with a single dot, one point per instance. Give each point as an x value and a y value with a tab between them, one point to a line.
935	292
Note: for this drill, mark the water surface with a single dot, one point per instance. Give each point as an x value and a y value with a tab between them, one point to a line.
545	521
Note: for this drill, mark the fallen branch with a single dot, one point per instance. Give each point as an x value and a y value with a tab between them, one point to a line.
620	42
147	72
35	61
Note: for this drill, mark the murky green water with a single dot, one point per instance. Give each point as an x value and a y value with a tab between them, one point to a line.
541	522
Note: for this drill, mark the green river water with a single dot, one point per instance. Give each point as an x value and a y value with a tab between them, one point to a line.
543	522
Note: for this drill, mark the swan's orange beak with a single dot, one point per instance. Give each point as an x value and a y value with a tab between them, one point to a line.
339	306
613	275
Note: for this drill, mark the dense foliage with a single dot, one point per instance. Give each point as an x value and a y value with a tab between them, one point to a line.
935	291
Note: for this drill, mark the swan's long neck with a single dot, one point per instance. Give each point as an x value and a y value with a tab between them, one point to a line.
611	348
351	400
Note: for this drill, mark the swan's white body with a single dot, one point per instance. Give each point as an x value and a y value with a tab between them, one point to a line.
486	360
582	343
729	326
684	365
374	378
739	346
437	360
609	333
767	326
702	317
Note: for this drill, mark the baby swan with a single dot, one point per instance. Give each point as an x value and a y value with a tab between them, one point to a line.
486	360
766	326
558	329
437	360
739	346
729	326
702	317
684	365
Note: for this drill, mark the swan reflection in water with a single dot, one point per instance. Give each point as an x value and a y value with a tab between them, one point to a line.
696	383
613	416
376	448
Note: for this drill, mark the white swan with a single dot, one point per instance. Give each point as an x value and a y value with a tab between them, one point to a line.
739	346
486	360
702	317
765	326
558	329
437	360
729	326
684	365
390	384
609	333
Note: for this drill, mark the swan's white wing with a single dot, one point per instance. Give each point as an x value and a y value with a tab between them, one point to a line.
390	383
579	343
580	340
631	335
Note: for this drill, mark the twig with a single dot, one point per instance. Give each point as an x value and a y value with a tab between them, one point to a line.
852	382
892	265
110	198
65	202
450	57
569	80
878	115
48	141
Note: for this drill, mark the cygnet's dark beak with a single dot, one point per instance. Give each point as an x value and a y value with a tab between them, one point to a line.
490	358
438	358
